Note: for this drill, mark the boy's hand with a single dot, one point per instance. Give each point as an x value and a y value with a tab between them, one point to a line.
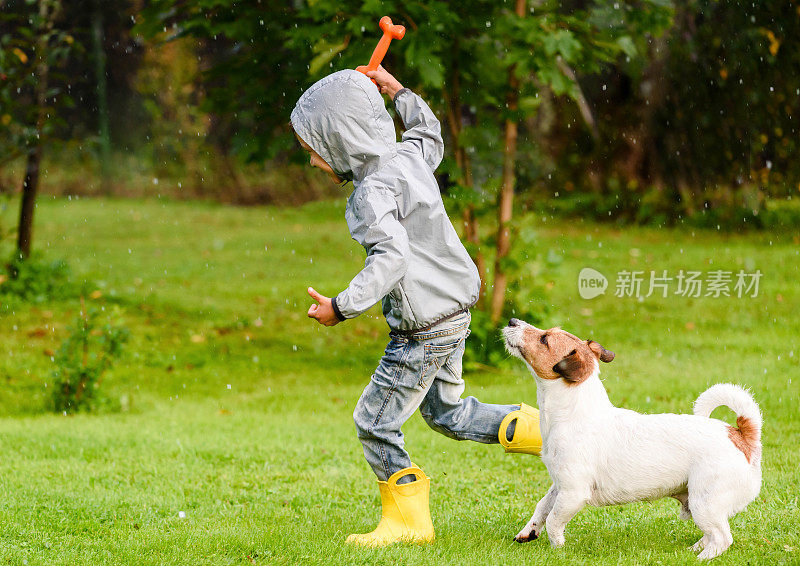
322	312
387	83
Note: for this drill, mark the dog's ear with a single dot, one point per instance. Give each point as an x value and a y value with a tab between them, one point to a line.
602	354
571	367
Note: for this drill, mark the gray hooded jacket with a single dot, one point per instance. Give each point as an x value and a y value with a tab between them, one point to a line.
415	261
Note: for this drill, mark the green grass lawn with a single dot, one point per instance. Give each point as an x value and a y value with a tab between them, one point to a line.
237	444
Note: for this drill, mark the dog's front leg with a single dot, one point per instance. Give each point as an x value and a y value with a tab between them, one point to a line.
533	529
566	505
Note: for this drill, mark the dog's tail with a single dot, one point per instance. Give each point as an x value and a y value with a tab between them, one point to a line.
746	435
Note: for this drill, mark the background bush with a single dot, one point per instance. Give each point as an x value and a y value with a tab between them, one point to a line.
91	348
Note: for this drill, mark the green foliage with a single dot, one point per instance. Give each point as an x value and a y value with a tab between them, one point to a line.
701	128
265	54
252	75
87	353
736	120
529	267
781	214
22	31
36	280
745	208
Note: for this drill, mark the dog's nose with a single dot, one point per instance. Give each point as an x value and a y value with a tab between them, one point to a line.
514	322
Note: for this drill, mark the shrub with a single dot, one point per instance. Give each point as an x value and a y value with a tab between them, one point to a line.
87	353
526	266
36	280
781	213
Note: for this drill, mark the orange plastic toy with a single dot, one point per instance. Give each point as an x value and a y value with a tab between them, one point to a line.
390	32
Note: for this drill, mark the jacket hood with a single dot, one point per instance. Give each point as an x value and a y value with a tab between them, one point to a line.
343	118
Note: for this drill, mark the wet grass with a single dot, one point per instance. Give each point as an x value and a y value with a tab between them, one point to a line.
237	444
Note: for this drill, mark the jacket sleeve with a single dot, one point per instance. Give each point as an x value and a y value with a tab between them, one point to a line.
386	241
422	127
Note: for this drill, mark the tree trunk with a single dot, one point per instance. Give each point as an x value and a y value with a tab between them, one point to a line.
505	204
29	187
102	97
580	99
47	11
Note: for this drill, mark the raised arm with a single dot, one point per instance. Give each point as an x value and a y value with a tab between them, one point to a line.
380	232
422	127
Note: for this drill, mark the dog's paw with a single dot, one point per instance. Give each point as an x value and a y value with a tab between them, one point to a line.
699	545
711	551
520	538
556	542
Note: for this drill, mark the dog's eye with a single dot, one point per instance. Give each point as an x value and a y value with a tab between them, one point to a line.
543	339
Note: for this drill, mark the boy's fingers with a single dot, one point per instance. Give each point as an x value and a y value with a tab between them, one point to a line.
314	294
312	311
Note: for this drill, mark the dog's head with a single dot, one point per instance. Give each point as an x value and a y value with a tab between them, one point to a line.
554	354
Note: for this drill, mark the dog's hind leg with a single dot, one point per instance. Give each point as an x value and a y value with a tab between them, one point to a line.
716	531
533	529
709	503
718	542
565	507
685	513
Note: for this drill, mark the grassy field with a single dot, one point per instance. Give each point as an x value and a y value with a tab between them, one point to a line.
237	444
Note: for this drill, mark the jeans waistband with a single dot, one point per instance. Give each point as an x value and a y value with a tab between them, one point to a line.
451	324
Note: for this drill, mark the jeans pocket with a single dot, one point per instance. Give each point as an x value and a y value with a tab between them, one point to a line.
436	355
453	364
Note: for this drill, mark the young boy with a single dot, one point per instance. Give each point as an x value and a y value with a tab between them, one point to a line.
427	282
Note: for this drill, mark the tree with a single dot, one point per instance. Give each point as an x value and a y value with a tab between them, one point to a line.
703	126
483	66
29	57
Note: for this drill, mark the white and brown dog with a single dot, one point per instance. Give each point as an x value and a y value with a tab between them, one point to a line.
598	454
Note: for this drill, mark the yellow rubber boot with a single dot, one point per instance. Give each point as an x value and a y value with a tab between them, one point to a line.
527	436
405	513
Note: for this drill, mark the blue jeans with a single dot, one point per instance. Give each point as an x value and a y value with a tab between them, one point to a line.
422	370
